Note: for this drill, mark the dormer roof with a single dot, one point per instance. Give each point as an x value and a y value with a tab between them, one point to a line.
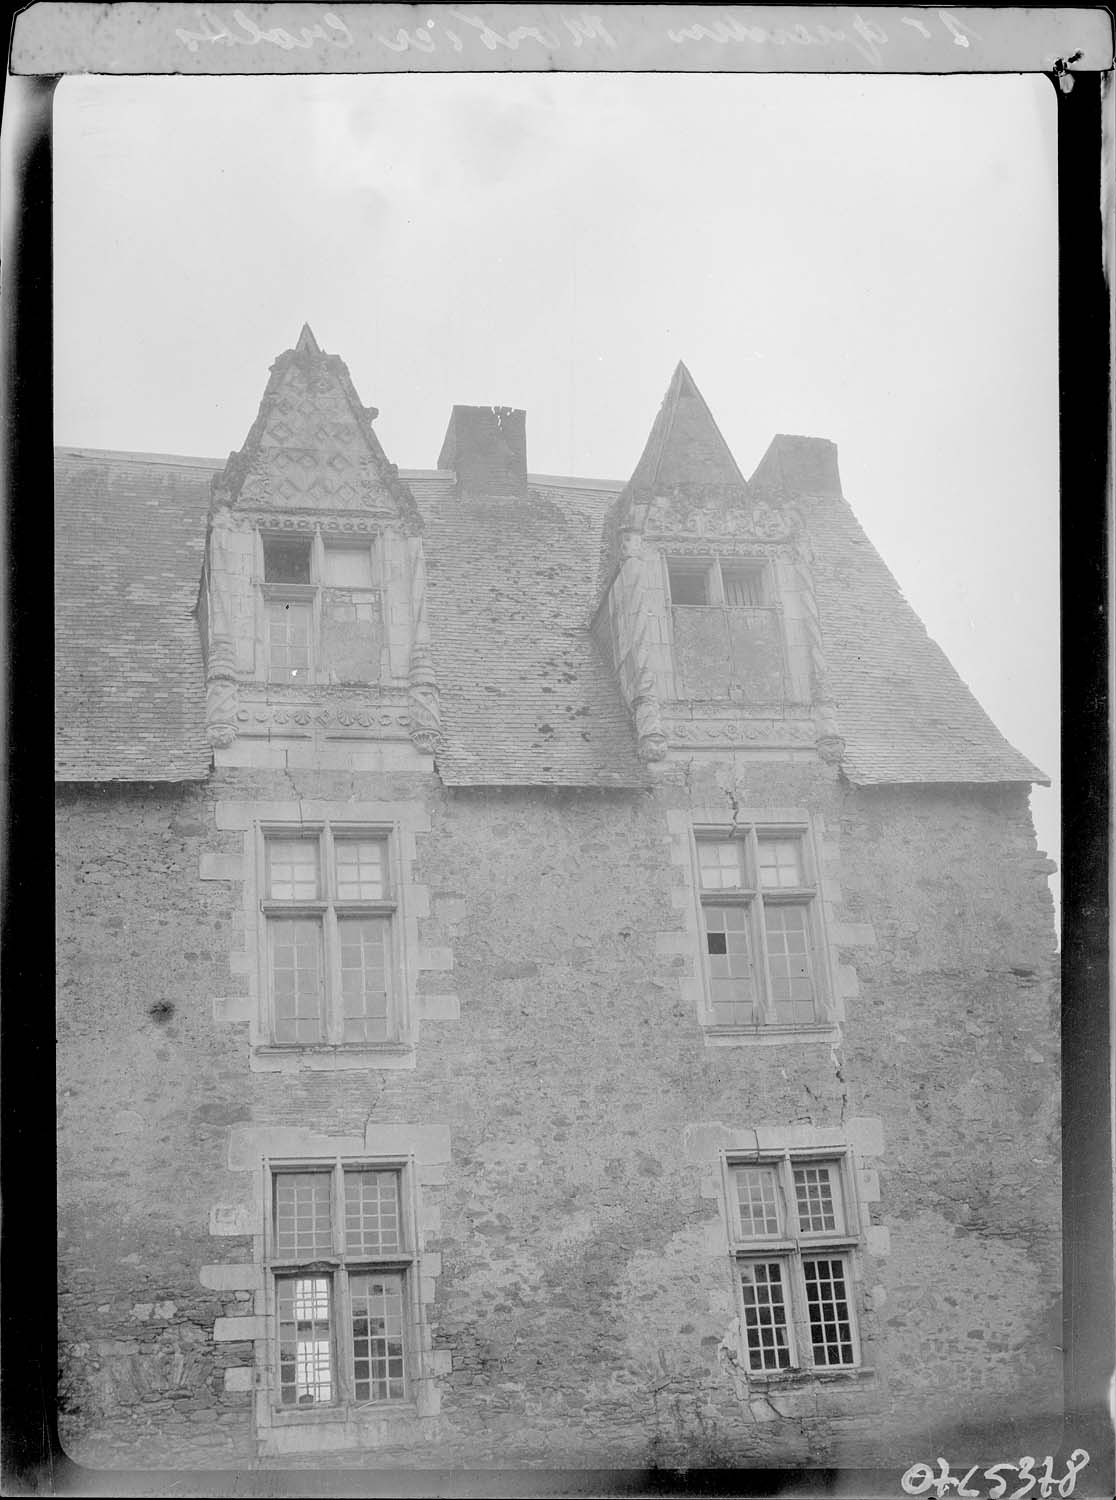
312	445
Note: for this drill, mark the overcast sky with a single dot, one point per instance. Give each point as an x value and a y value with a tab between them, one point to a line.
868	259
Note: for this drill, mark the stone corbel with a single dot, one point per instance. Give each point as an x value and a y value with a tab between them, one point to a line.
651	741
423	700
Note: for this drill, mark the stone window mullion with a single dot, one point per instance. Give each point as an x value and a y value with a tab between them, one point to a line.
764	1001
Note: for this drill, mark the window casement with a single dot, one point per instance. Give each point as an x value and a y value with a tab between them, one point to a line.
342	1283
792	1220
736	582
761	940
296	572
328	912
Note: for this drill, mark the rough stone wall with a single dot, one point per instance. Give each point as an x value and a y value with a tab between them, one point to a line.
585	1288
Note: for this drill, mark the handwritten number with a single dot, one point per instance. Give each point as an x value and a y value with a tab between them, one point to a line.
918	1479
999	1485
1076	1462
961	1488
1026	1468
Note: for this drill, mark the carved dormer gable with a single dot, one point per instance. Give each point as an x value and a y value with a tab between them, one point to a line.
315	592
707	601
312	447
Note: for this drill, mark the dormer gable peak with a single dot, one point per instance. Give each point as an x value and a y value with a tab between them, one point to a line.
312	447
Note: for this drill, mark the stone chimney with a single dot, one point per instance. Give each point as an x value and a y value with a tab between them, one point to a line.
486	446
799	466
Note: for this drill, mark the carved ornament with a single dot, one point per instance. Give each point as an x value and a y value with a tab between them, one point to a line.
384	723
742	731
695	518
368	523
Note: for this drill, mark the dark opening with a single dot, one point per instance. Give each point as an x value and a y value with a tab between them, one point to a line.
286	559
688	584
718	942
743	585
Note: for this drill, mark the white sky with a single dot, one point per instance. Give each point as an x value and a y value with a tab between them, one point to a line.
868	259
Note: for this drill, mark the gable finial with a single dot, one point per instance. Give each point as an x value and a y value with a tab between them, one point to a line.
307	343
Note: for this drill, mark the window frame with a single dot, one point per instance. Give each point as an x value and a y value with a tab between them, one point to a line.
310	593
792	1248
713	567
755	898
329	911
339	1267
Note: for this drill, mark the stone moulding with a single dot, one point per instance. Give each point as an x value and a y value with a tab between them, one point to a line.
741	731
830	744
423	699
651	742
672	516
379	721
369	522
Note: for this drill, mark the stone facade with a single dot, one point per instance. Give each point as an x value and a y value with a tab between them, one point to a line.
562	1115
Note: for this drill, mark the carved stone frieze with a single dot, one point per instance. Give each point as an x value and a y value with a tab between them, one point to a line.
683	545
702	517
777	732
367	523
341	719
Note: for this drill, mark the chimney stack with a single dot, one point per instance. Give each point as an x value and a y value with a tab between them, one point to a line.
486	446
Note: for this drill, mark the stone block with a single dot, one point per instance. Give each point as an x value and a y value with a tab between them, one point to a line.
230	1278
239	1378
220	866
237	1330
232	1218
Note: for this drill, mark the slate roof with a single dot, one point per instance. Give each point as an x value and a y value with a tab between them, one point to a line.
527	698
129	685
904	712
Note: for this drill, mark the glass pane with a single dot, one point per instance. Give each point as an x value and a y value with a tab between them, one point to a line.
288	641
731	979
827	1305
305	1346
818	1196
377	1302
780	862
292	869
296	978
372	1214
722	864
361	872
348	567
788	954
303	1226
756	1195
767	1342
364	977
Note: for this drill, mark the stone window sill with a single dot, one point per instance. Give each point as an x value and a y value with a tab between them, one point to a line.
861	1377
744	1036
278	1058
341	1415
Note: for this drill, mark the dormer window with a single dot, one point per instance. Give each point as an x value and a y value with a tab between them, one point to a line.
698	581
322	610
